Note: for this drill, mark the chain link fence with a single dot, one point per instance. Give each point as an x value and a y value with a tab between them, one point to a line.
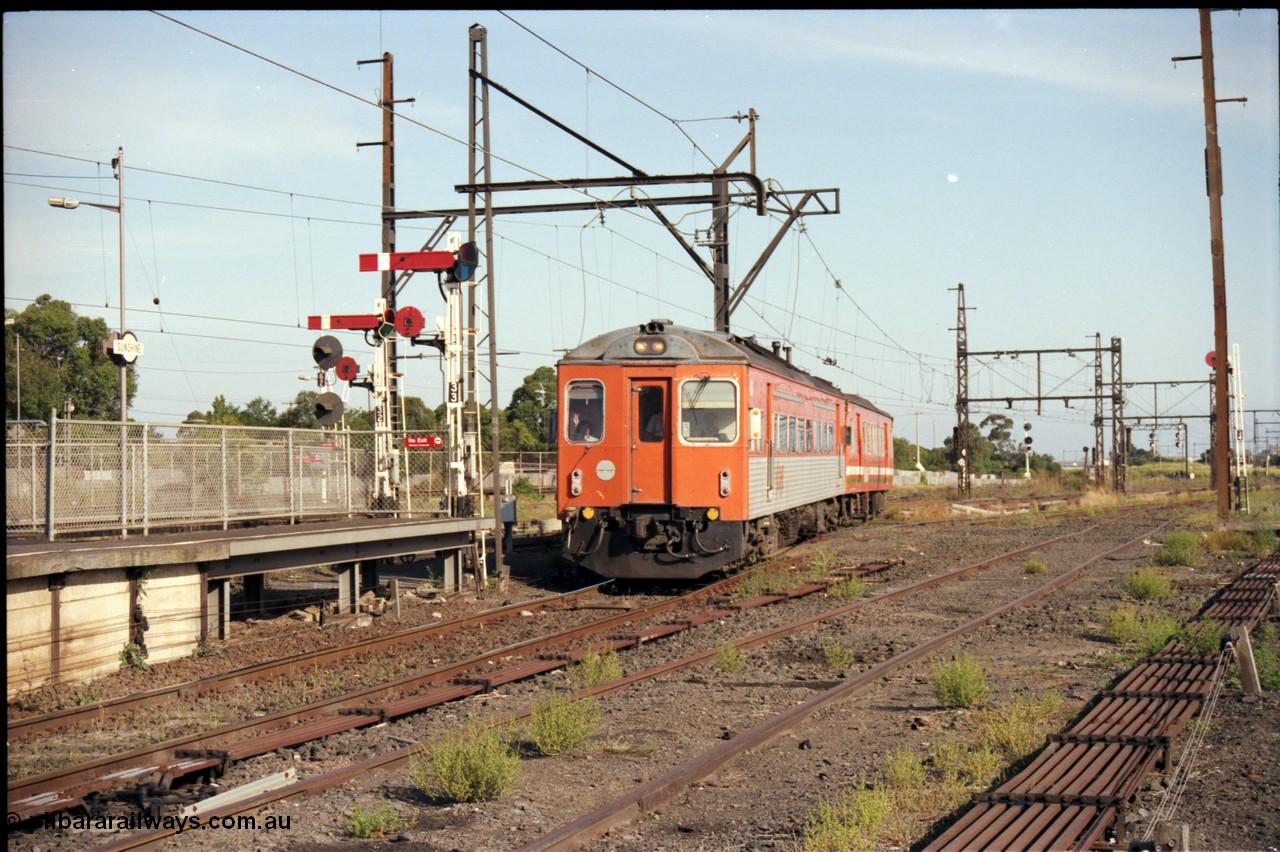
81	475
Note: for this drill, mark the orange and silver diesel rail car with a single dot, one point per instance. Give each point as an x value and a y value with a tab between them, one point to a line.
683	451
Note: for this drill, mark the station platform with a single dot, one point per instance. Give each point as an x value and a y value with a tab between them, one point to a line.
73	606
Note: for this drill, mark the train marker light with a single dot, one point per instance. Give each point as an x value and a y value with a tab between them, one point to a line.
649	346
713	514
588	513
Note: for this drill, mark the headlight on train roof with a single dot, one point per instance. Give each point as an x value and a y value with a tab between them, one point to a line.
649	346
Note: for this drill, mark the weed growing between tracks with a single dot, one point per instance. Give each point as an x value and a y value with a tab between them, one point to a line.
908	794
595	669
1142	631
474	764
380	821
560	725
1179	548
1148	584
960	682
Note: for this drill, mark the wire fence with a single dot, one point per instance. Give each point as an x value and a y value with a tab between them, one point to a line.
80	475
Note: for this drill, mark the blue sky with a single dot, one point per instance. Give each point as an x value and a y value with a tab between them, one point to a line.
1052	161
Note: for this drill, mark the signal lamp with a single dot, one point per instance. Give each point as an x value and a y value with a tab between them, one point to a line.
326	351
328	409
712	514
464	266
588	513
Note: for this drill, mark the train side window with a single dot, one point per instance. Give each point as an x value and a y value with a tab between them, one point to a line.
649	411
584	400
709	411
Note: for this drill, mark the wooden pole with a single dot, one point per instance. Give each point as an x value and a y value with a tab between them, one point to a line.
1243	648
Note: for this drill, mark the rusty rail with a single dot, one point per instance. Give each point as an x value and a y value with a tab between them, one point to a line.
210	754
655	793
335	778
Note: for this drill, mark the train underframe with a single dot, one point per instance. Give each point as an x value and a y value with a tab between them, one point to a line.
683	543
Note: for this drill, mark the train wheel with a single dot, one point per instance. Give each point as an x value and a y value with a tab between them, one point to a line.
764	538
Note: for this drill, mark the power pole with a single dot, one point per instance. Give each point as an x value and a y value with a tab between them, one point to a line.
1119	435
481	173
387	418
961	440
1099	439
1213	181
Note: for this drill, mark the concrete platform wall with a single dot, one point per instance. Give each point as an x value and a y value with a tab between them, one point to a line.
172	607
73	640
27	634
76	633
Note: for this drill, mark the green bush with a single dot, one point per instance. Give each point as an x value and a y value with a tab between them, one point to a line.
1203	638
849	590
475	764
1034	566
524	489
838	656
767	580
1179	548
1142	630
1017	729
960	682
1254	544
379	822
729	658
848	824
133	656
824	560
1147	584
903	769
595	669
1266	656
560	725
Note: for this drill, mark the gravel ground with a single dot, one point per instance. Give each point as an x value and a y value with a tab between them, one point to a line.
763	799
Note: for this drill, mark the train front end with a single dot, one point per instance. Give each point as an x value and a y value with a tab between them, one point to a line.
652	473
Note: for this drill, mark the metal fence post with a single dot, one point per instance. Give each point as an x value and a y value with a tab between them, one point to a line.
50	475
288	476
346	455
146	485
222	453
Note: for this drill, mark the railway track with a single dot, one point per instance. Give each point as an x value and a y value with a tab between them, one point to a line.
210	754
95	713
392	759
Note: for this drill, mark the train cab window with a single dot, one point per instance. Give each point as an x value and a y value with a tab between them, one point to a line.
709	411
584	400
650	414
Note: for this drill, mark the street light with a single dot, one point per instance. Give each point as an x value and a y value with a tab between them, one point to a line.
71	204
17	345
117	165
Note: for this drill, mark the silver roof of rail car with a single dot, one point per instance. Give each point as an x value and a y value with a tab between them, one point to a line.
691	344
